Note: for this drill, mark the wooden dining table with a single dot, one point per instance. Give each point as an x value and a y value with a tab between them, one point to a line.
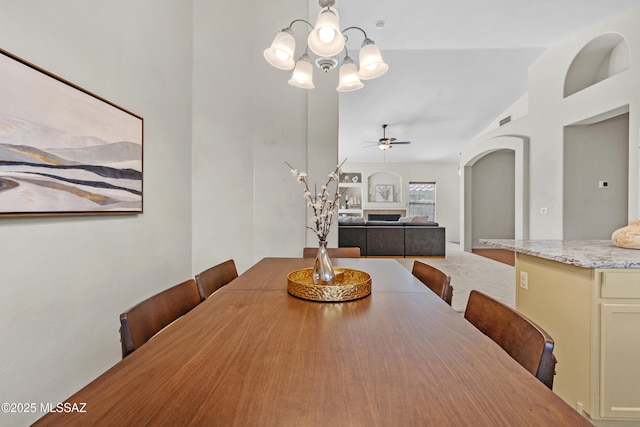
253	355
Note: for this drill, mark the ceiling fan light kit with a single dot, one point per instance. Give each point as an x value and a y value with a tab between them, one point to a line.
327	41
385	143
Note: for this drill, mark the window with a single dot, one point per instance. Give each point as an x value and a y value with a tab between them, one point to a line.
422	199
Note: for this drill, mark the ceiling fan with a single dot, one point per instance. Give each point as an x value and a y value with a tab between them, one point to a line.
385	143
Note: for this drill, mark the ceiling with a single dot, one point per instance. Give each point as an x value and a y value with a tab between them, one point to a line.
454	67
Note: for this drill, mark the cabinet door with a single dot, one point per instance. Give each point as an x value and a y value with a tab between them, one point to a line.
620	361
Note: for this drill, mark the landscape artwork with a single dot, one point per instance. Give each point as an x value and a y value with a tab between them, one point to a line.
63	150
384	193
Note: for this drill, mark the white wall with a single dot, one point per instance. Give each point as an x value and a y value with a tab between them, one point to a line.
223	98
247	122
549	112
290	124
447	180
64	281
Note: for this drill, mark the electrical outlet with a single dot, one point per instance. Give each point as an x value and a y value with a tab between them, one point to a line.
524	280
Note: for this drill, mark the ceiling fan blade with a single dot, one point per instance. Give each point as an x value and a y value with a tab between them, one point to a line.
401	142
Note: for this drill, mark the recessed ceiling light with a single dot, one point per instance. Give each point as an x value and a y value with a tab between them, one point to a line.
379	25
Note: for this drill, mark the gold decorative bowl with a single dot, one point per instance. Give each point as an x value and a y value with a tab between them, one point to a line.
350	285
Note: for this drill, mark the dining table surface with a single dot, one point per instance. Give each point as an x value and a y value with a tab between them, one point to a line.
253	355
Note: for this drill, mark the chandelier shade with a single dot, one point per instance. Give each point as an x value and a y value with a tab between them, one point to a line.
302	76
349	79
371	63
327	42
326	38
280	54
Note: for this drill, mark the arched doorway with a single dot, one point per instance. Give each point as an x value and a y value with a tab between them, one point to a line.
494	196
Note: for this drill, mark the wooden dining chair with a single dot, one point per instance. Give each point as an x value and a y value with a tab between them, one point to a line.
434	279
525	341
145	319
333	252
213	278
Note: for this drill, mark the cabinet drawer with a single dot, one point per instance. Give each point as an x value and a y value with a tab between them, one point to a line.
622	284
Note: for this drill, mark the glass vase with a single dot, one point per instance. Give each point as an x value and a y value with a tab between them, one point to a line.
323	273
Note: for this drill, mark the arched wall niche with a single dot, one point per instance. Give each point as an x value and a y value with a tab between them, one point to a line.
385	178
601	58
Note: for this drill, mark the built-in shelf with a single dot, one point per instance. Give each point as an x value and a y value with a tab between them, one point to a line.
350	188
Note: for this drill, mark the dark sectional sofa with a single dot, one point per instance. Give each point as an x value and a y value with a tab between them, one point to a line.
392	238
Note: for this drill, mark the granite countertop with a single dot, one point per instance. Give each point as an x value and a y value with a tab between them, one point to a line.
582	253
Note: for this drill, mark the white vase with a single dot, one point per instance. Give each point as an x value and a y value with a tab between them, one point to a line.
629	236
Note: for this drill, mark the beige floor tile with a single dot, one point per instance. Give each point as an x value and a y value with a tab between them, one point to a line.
469	271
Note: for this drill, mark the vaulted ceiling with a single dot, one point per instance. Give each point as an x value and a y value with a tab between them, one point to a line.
454	67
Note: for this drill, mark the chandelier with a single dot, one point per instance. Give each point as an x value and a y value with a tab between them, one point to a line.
327	41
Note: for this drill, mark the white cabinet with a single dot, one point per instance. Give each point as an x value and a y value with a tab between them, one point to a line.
593	315
620	348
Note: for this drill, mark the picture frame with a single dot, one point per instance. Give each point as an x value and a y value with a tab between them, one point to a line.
384	193
63	149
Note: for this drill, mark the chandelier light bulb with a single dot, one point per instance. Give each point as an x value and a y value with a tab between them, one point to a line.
282	55
327	34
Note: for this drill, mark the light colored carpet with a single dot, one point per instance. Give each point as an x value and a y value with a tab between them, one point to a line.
469	271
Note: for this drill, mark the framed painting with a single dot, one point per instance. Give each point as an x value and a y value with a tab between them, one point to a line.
64	150
384	193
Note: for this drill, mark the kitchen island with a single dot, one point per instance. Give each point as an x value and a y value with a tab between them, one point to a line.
586	295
